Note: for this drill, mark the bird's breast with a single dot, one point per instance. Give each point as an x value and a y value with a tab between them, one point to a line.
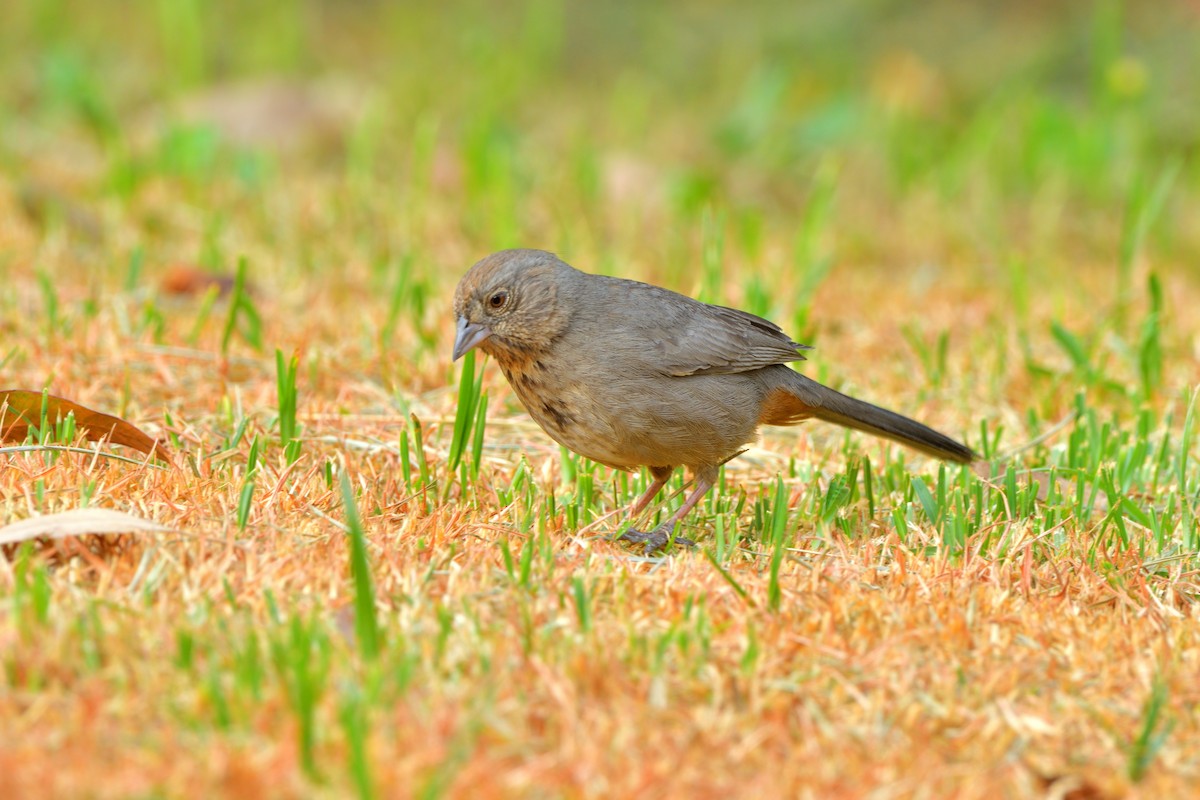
541	393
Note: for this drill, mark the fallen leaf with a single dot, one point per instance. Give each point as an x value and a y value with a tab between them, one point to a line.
1069	787
185	279
80	522
19	409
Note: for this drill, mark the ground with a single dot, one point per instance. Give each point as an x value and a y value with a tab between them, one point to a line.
240	230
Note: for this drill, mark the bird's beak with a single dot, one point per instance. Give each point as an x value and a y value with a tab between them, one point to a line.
470	335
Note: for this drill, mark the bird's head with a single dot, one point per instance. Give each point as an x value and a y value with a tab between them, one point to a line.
507	304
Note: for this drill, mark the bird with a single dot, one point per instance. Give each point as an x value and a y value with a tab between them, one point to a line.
633	375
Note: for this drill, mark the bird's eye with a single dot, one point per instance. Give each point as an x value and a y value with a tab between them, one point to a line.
498	300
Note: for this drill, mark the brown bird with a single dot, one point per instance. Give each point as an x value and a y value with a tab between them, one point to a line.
632	375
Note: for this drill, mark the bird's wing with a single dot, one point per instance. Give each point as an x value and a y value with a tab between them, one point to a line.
687	337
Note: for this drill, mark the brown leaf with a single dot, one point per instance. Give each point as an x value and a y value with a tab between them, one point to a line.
19	409
1069	787
186	279
79	522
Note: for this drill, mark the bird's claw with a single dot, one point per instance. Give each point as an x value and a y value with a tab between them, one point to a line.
656	539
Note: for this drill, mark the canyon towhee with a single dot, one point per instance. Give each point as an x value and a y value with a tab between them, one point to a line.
632	375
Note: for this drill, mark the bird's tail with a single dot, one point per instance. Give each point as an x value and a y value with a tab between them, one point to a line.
804	398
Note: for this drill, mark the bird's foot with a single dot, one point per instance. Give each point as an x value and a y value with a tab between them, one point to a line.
656	539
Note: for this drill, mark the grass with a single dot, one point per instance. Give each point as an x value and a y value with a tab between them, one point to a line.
387	581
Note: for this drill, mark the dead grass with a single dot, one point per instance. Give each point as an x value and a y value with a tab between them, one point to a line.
522	656
884	673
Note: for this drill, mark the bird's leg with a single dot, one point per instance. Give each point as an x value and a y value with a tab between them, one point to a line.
658	538
661	475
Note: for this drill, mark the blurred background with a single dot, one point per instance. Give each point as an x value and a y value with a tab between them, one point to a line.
730	150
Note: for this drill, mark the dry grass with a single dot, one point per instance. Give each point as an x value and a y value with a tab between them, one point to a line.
883	672
1053	653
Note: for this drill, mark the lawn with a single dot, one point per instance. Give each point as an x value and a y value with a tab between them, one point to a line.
238	227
